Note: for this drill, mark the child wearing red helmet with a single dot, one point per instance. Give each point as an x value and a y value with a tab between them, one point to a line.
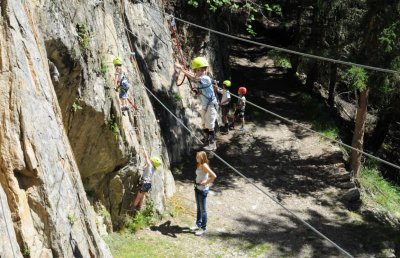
240	108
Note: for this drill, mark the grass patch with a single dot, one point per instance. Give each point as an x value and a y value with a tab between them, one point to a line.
380	193
355	217
319	115
260	250
129	246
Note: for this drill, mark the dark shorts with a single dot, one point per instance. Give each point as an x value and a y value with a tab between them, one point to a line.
123	94
145	187
224	110
239	113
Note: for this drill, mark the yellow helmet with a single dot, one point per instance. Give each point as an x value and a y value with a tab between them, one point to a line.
199	62
156	161
117	61
227	83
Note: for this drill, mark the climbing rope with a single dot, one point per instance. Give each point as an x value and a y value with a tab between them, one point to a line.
181	75
288	120
248	179
239	173
336	61
321	135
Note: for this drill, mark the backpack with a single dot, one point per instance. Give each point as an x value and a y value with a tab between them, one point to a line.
124	84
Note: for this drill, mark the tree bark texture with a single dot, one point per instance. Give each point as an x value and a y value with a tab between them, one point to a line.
332	85
358	135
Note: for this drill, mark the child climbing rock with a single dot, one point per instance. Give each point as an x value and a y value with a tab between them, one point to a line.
208	99
145	181
121	83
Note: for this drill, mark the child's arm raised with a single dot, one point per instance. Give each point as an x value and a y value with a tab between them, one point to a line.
189	74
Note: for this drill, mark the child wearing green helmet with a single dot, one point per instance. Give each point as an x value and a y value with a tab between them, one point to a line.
121	83
208	99
145	181
225	100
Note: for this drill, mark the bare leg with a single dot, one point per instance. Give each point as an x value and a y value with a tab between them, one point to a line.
139	200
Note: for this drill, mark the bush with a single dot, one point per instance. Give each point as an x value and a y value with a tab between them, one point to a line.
382	194
142	218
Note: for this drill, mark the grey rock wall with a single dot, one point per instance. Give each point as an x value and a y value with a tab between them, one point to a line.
67	151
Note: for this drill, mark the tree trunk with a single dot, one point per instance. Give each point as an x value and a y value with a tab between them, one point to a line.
312	76
332	85
294	61
358	135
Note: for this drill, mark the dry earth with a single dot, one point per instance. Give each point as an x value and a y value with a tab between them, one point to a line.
297	168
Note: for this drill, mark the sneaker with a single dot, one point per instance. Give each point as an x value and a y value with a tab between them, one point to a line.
195	228
200	232
211	147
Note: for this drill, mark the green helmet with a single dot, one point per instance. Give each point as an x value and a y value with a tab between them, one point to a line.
227	83
156	161
117	61
199	62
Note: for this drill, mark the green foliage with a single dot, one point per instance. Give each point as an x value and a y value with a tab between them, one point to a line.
215	4
193	3
319	115
380	193
83	36
357	77
395	64
26	252
281	59
75	106
273	9
142	218
105	214
250	8
71	219
178	97
113	126
389	38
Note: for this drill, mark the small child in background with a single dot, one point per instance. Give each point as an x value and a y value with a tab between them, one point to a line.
225	99
240	108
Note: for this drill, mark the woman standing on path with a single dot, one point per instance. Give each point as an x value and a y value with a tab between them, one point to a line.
204	177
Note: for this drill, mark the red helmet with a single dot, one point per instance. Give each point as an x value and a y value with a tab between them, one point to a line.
242	90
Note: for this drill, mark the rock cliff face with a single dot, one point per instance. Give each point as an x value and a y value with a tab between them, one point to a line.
63	138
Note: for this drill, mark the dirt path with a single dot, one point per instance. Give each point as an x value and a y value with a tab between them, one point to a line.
290	164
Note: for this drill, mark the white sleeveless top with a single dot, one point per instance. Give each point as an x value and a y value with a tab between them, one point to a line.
201	176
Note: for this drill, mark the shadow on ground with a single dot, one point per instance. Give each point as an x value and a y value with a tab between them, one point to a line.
171	230
286	174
